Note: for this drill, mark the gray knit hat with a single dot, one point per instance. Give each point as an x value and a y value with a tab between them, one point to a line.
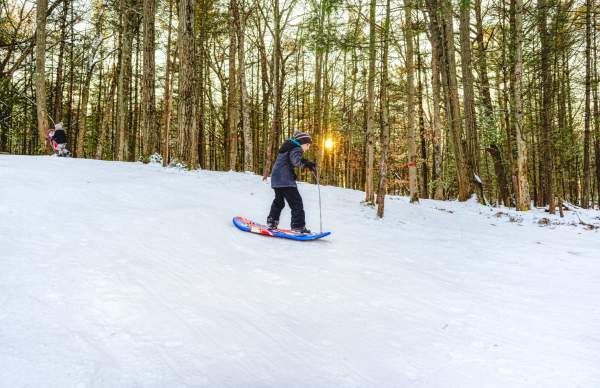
302	138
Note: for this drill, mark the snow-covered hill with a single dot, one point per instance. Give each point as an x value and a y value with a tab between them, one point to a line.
130	275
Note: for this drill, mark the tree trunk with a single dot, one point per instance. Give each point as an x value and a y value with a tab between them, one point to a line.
503	86
134	111
265	101
58	94
410	104
585	195
149	129
494	151
318	105
240	22
422	134
522	185
489	120
596	111
79	152
351	159
438	187
123	89
276	85
325	127
187	147
202	73
385	114
168	98
233	100
443	31
546	118
472	148
40	73
369	194
107	116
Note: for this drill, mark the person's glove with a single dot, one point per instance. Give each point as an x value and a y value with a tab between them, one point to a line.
310	165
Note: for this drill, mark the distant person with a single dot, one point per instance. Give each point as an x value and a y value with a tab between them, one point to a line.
283	181
58	140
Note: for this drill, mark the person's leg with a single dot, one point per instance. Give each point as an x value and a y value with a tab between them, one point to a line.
276	207
292	195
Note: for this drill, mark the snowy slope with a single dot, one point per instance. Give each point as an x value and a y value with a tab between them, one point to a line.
128	275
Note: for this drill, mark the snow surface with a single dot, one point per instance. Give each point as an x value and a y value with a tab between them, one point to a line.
130	275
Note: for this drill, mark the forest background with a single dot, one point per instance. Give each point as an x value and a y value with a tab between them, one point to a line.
433	99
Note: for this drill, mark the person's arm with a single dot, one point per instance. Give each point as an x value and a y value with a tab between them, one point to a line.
296	157
298	161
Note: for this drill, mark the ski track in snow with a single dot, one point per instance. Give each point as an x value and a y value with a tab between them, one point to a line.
131	275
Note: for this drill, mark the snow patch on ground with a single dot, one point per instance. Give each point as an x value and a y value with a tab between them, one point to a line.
124	274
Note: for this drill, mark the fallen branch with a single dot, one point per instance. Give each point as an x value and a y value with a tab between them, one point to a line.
588	225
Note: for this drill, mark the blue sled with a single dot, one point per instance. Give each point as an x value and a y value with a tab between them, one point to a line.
252	227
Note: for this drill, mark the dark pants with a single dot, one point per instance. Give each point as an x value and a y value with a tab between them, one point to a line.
293	198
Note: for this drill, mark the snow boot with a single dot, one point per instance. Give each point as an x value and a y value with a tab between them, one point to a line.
302	230
272	223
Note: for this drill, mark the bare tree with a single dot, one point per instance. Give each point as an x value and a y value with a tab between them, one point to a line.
585	194
149	129
522	188
233	101
472	145
167	99
244	102
385	116
187	150
546	115
40	73
369	193
128	13
410	103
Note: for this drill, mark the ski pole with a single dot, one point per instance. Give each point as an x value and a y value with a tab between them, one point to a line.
316	174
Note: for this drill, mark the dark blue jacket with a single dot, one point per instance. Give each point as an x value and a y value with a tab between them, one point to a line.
290	156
